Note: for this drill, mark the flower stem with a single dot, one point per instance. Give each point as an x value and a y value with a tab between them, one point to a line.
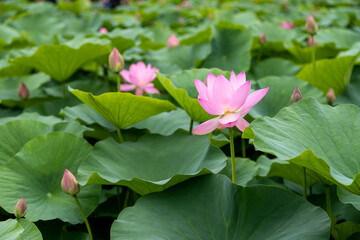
84	216
243	148
210	137
191	126
304	184
328	200
118	82
313	59
118	195
121	139
126	200
64	90
232	151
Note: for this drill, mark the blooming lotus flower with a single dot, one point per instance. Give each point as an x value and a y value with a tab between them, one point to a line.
172	41
139	78
103	30
20	208
230	100
69	184
287	24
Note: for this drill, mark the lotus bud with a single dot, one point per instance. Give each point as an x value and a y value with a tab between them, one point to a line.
311	26
287	24
296	96
116	61
312	41
172	41
103	30
69	184
181	20
330	96
263	38
23	92
20	208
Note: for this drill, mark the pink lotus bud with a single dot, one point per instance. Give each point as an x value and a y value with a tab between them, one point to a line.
287	24
312	41
172	41
296	96
116	61
330	96
103	30
263	38
311	26
181	20
69	184
20	208
23	92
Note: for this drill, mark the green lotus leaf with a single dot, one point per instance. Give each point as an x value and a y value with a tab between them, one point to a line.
319	137
353	88
61	61
230	50
211	207
31	232
151	164
10	230
8	35
342	38
348	197
345	231
196	36
36	172
182	88
123	109
304	55
32	116
279	94
276	67
179	58
330	73
245	168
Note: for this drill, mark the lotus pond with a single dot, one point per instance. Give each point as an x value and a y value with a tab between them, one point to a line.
180	120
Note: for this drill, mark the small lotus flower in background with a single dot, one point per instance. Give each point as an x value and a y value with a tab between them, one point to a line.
263	38
103	30
20	208
172	41
230	100
296	96
287	24
139	78
311	26
116	61
312	41
23	92
69	184
330	96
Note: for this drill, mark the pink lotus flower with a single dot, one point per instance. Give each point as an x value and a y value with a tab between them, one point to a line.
139	77
20	208
103	30
287	24
69	184
228	99
172	41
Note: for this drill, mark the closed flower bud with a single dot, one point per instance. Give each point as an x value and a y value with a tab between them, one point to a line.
263	38
330	96
23	92
103	30
116	61
69	184
296	96
20	208
311	26
172	41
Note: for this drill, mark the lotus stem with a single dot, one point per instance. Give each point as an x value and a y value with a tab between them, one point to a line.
210	137
313	59
121	139
126	200
232	151
191	126
118	195
304	184
243	148
328	200
84	216
118	79
64	90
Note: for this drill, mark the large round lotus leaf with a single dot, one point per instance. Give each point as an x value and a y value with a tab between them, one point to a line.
342	38
276	67
182	88
123	109
230	50
36	172
246	169
330	73
319	137
279	94
10	230
151	164
31	232
8	35
304	55
211	207
61	61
